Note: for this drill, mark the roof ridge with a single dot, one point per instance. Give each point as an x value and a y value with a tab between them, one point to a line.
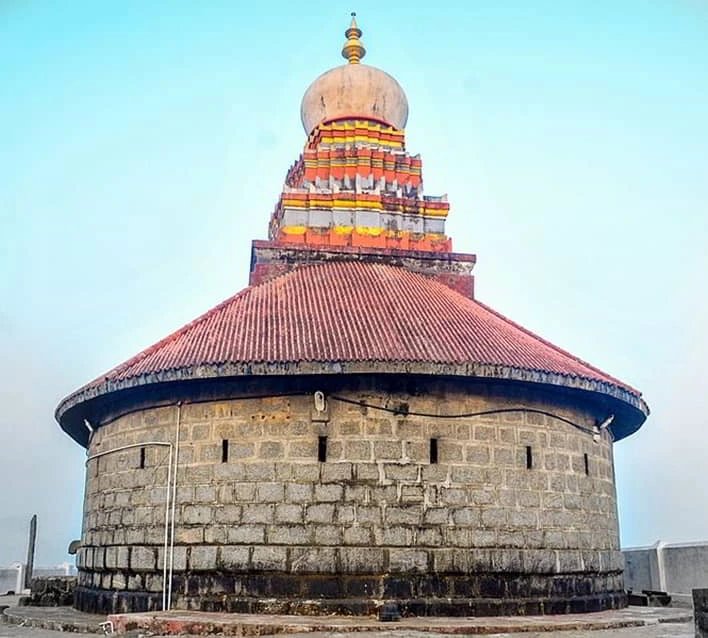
553	346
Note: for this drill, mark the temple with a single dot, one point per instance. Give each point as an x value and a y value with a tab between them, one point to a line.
354	429
355	186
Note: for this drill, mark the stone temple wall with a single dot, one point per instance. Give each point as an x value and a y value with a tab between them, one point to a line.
273	529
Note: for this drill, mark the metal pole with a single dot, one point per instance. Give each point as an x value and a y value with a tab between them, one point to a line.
174	500
167	498
167	532
127	447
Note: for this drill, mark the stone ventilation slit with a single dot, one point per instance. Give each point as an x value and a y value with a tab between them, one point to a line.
322	449
587	464
224	450
433	451
529	458
142	458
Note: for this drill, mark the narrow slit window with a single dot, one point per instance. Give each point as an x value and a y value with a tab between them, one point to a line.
142	458
529	457
587	464
433	451
224	450
322	449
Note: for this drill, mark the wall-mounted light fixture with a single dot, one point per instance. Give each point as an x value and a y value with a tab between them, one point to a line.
597	429
320	402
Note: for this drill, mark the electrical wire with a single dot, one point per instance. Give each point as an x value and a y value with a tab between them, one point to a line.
400	411
168	404
466	415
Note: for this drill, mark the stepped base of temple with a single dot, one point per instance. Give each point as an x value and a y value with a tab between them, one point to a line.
431	595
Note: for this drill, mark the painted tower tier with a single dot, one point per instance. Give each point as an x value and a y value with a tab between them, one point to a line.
354	428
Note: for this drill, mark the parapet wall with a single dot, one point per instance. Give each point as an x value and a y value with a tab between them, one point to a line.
516	514
677	568
12	579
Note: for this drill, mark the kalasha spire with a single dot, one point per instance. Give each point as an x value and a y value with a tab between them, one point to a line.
353	49
355	184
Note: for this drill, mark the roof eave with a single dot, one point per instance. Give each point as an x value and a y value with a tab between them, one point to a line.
638	409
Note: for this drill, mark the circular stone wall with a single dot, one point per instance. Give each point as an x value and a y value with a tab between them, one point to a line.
262	526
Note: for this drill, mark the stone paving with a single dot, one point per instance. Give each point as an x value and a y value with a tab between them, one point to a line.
193	622
633	622
54	618
671	630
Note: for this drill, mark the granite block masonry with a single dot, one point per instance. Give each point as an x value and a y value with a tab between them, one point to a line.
477	531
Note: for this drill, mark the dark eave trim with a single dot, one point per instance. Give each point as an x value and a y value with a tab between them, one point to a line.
465	370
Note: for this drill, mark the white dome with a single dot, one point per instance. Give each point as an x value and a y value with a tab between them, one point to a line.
354	90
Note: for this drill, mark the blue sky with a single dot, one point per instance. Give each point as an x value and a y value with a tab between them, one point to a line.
145	144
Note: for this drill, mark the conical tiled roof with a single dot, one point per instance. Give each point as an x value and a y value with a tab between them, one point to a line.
353	316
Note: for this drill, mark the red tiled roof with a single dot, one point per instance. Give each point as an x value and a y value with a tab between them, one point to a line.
354	312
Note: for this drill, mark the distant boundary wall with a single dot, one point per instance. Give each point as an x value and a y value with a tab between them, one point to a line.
12	578
676	568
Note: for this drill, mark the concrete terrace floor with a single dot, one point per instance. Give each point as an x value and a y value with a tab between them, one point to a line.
37	622
670	630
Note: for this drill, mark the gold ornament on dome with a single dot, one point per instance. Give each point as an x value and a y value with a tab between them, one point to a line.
353	49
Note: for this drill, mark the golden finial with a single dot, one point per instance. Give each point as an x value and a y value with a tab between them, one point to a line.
353	49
